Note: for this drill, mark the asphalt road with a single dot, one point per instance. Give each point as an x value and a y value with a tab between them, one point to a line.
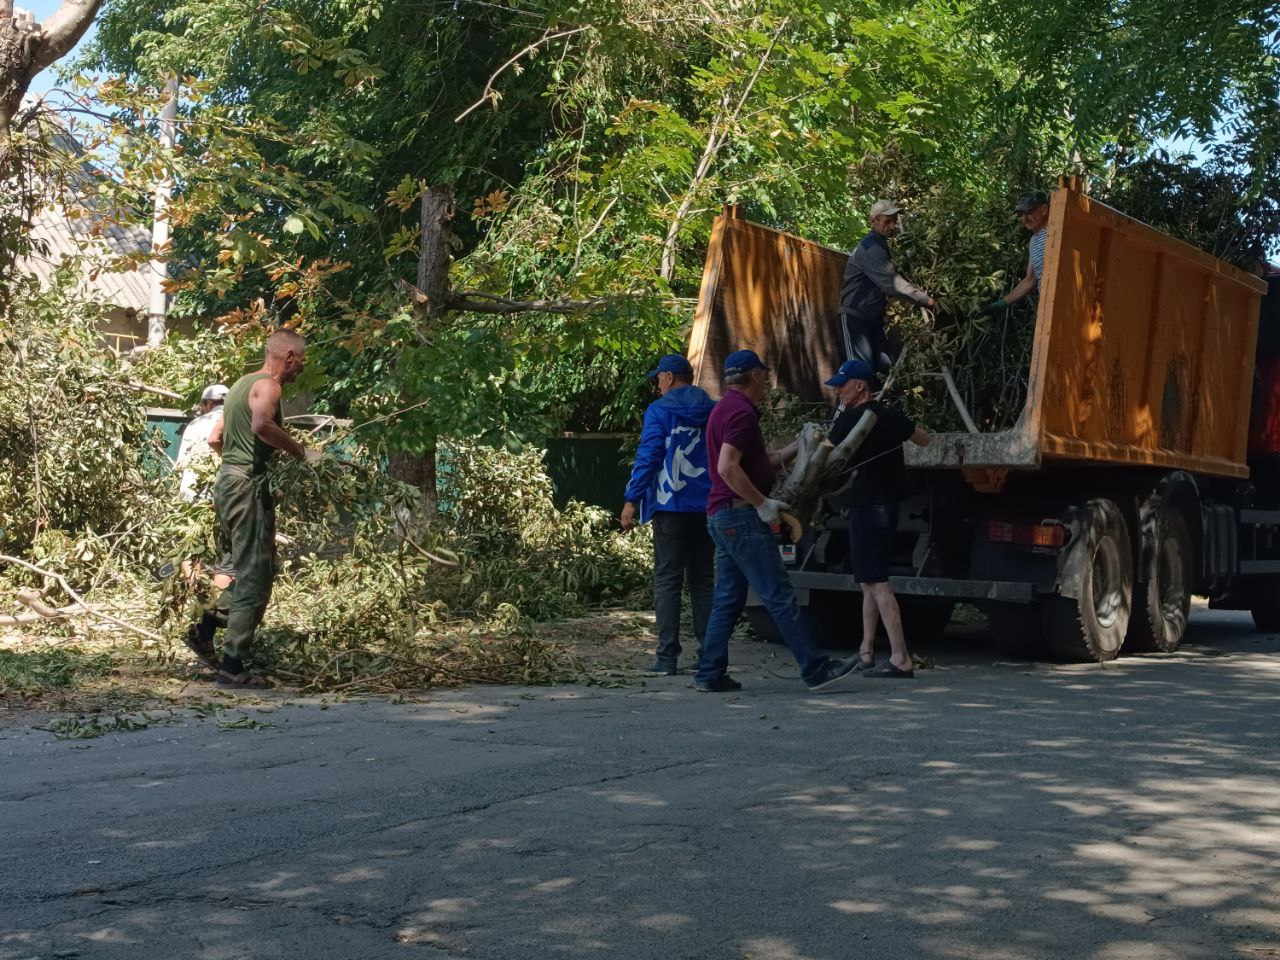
986	810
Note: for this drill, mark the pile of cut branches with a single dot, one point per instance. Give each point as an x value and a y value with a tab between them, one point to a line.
94	539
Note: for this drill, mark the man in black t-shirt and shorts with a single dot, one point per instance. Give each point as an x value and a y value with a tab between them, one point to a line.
872	501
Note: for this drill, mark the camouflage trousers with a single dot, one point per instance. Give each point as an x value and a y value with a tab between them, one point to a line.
246	515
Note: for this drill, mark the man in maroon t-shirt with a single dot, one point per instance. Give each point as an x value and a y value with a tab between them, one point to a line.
739	514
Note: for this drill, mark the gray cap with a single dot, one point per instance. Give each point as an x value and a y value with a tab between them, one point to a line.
885	208
216	392
1030	200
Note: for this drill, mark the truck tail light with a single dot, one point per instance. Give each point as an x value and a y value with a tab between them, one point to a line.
1052	535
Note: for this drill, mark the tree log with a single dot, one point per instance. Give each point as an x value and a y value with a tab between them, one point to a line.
848	447
792	486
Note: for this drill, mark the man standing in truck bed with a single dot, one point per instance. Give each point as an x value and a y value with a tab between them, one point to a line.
1033	213
869	281
252	431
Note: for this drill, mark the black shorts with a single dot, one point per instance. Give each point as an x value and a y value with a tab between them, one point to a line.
871	529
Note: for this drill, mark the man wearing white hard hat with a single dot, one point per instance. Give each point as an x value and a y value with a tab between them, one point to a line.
195	438
869	281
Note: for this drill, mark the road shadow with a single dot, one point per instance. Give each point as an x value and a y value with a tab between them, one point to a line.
989	809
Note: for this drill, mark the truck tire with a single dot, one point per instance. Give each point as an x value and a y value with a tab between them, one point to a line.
1264	603
1092	627
1162	600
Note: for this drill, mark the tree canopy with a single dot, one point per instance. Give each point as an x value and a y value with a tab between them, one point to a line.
588	145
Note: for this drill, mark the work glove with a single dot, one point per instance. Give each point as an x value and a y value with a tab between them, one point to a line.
998	307
770	510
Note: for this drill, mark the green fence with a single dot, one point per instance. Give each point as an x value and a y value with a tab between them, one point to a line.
593	468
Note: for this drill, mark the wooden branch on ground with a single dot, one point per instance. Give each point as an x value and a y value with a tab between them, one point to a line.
434	558
87	609
39	610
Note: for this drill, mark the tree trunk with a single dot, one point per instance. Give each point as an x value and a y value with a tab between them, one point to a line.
437	247
26	48
419	470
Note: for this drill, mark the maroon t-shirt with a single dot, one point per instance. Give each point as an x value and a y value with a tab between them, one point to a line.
736	421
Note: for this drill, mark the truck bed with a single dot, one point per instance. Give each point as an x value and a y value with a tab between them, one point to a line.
1143	350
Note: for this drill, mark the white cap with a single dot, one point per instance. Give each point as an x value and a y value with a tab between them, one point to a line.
217	393
885	208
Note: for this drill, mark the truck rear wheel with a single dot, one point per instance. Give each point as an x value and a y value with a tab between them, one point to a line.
1163	598
1092	627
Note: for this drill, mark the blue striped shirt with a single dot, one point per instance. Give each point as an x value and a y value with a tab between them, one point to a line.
1037	253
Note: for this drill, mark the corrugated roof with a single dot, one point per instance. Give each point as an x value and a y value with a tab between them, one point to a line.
58	237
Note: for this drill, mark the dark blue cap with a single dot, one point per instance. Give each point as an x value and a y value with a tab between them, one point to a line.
740	361
852	370
672	363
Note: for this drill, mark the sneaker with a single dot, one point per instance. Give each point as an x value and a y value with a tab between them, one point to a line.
665	668
724	684
836	676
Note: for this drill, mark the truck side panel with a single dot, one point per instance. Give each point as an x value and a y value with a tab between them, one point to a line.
771	292
1146	346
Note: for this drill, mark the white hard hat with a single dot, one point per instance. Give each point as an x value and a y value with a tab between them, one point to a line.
216	393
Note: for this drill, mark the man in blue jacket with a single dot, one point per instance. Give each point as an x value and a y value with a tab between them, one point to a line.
669	485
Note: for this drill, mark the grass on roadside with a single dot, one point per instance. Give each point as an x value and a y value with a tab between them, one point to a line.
30	673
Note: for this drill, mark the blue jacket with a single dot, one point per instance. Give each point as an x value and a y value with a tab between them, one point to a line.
670	472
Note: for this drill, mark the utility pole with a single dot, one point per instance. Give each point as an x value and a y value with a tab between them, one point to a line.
158	307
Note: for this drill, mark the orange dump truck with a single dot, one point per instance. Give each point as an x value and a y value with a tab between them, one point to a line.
1123	488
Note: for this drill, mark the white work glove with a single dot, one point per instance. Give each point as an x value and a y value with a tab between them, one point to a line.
312	457
770	510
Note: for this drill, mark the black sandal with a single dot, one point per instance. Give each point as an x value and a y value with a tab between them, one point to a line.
889	670
866	661
249	680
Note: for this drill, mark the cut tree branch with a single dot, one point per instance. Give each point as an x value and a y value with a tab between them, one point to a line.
87	609
39	610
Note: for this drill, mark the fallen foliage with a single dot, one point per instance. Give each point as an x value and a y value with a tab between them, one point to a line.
98	537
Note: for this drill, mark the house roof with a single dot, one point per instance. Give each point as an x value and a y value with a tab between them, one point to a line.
78	226
58	236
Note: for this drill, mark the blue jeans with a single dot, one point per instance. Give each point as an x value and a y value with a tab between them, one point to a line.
747	556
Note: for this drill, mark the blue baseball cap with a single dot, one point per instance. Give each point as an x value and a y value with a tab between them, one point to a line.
740	361
852	370
672	363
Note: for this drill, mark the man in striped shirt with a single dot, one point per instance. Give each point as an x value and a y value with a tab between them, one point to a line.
1033	213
